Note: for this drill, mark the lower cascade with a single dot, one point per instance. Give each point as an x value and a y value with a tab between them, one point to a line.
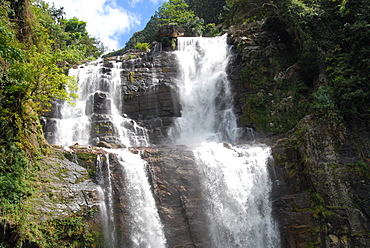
236	188
201	187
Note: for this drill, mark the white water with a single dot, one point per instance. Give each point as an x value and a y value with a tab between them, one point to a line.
106	203
235	181
236	188
146	229
75	123
205	94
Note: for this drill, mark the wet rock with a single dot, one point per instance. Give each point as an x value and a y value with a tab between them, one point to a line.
178	196
104	144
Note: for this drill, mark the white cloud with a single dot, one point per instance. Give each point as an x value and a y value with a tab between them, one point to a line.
105	19
134	2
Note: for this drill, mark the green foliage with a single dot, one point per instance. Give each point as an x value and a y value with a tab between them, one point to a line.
173	12
37	46
144	47
348	70
340	29
68	35
211	30
328	40
242	11
69	232
16	176
209	10
177	12
323	103
147	35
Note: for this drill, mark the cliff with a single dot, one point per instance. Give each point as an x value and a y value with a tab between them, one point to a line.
321	162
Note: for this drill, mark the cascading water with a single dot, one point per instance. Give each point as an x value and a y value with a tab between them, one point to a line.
95	118
106	203
236	188
205	93
235	181
146	229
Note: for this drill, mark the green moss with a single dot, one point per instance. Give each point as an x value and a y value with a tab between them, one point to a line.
360	168
67	232
86	157
131	76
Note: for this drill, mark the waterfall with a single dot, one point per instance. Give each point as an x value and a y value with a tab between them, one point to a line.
146	229
95	117
236	189
235	186
106	202
235	182
205	93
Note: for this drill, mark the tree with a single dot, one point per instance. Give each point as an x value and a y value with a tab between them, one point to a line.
174	12
209	10
147	35
177	12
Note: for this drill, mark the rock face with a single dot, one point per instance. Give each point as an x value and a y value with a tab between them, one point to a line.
150	93
263	74
176	189
146	93
321	165
63	209
177	192
324	185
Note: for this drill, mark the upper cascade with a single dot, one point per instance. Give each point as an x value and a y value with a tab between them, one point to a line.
204	91
182	96
96	118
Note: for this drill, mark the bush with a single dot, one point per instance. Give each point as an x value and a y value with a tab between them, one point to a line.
144	47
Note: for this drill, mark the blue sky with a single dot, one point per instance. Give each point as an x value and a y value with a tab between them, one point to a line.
112	21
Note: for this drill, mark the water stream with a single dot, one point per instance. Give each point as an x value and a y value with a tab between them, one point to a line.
236	185
205	94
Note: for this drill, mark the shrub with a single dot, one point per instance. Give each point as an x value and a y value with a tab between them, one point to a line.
144	47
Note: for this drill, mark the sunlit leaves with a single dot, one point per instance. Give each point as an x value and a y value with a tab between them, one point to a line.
144	47
175	11
40	79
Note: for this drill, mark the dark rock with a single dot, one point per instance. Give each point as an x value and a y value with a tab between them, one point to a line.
101	104
150	94
318	196
177	191
169	31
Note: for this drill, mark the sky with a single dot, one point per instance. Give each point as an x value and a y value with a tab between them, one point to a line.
111	21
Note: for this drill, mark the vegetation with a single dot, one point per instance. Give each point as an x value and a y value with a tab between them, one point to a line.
324	42
327	39
209	10
37	46
144	47
195	17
